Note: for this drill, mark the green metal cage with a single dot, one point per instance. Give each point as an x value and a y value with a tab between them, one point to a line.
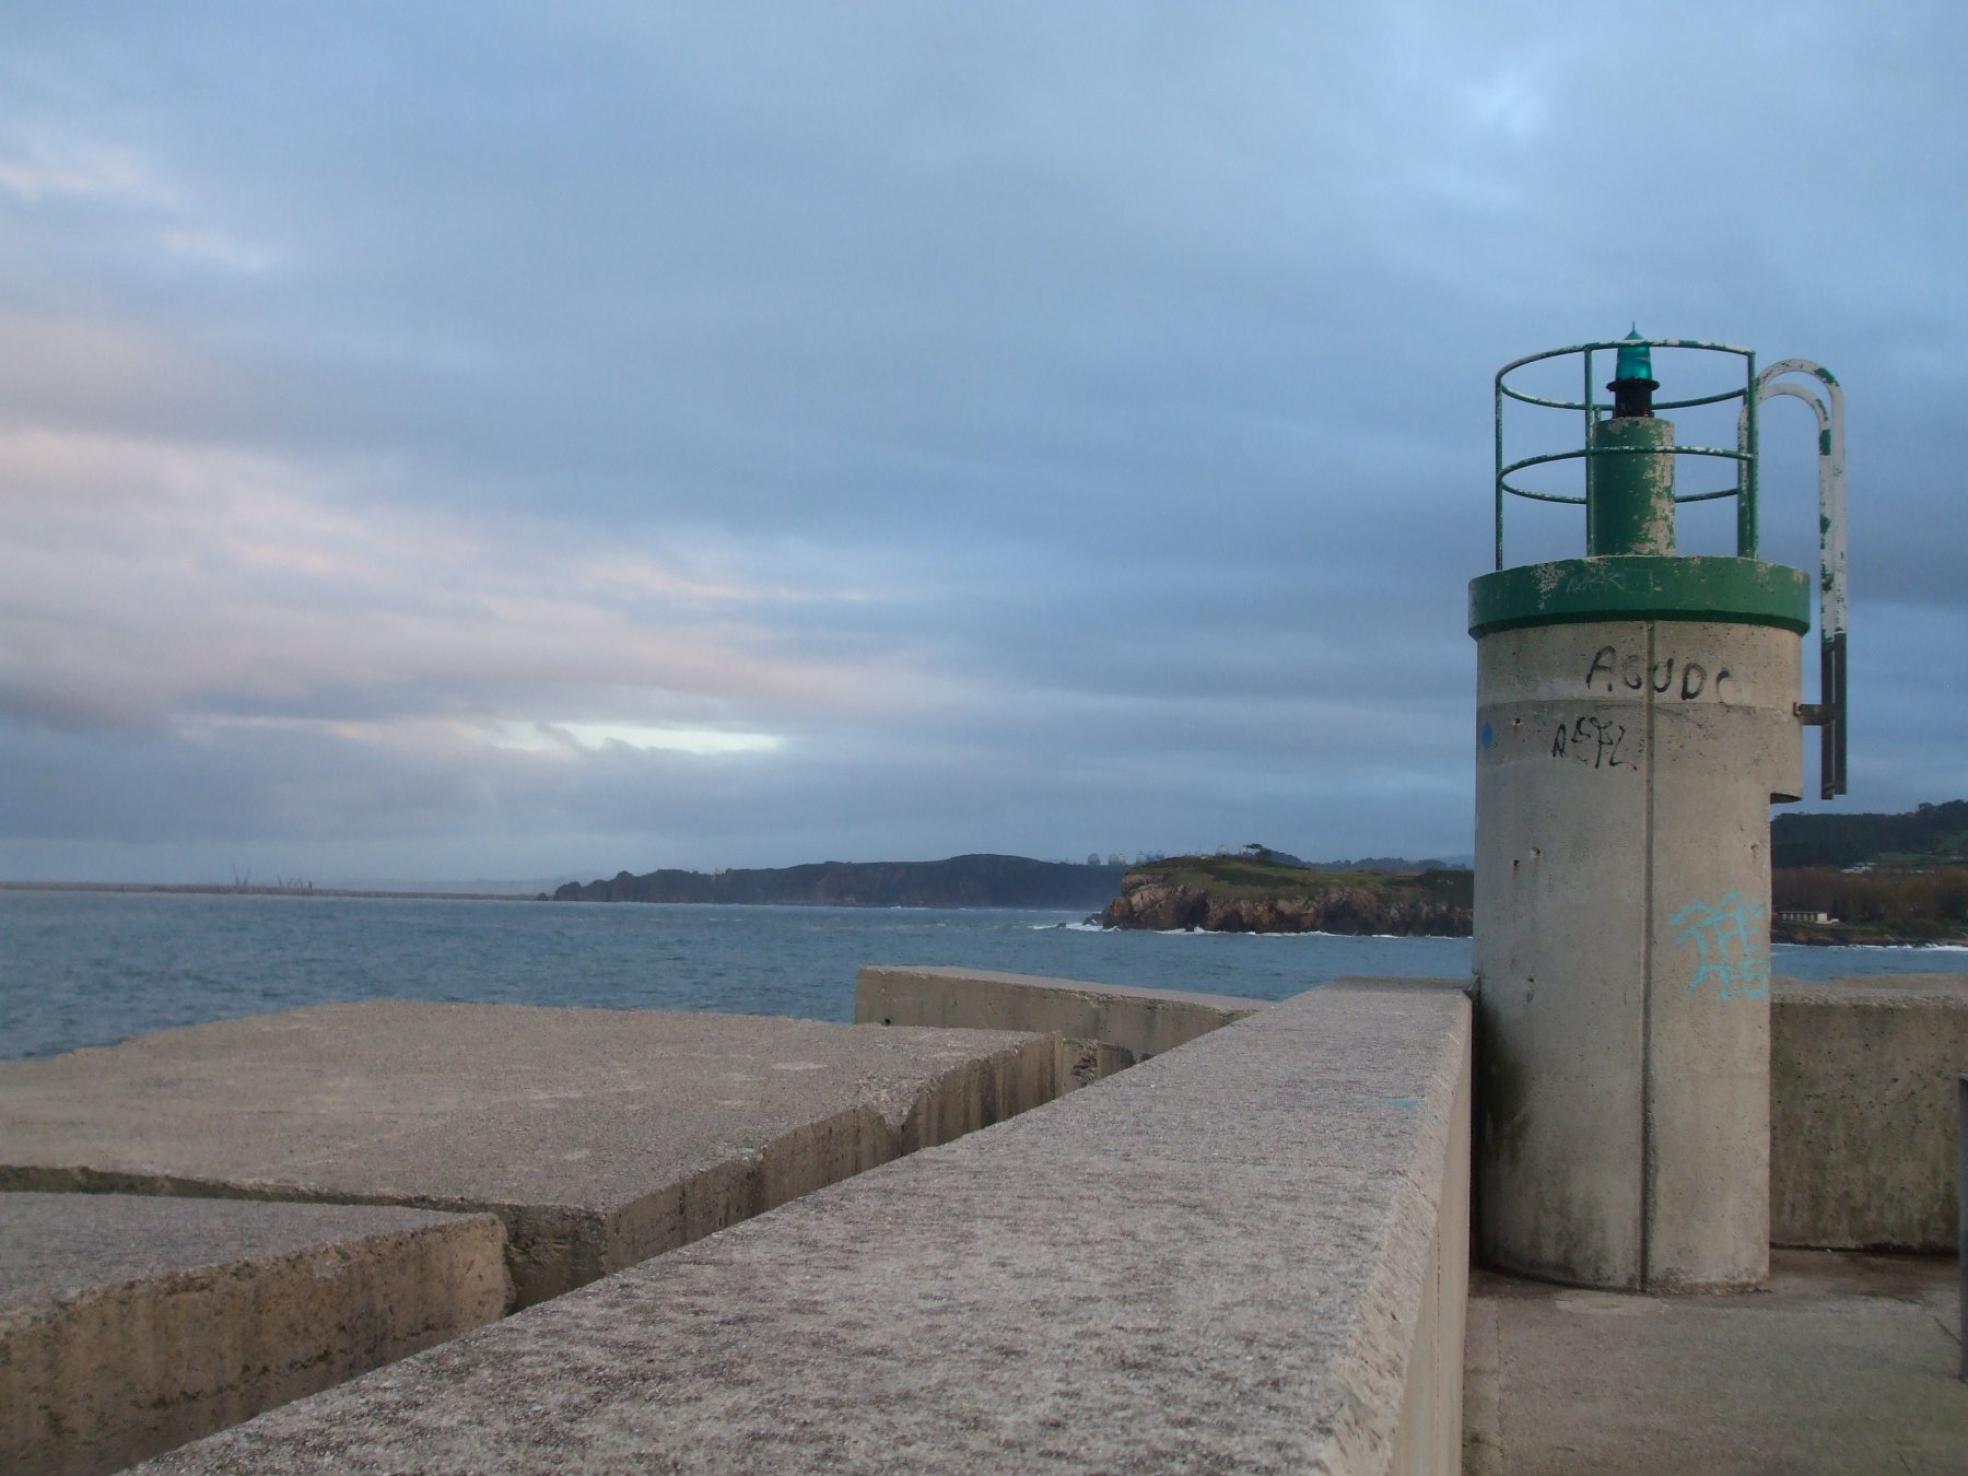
1744	455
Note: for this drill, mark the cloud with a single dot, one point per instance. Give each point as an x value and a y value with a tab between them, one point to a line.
752	434
36	168
227	582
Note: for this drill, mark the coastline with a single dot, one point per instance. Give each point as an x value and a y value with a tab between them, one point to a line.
1841	935
222	889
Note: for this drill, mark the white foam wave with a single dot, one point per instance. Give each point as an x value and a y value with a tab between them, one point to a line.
1087	927
1904	947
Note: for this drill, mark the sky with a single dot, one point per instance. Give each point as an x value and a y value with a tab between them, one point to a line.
485	441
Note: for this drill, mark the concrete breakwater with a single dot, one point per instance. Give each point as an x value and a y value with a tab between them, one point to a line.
1247	1251
1047	1250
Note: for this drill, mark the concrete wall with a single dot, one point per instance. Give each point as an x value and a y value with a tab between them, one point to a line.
1105	1026
131	1325
1862	1111
1246	1255
1111	1026
1429	1437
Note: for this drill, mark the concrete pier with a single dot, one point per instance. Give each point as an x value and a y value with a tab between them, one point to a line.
1847	1366
1247	1254
129	1325
599	1137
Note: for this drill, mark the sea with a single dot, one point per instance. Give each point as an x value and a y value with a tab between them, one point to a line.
92	968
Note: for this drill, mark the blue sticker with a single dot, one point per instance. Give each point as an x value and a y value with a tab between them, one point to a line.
1489	735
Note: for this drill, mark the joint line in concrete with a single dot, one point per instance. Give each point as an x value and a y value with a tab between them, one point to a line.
1647	985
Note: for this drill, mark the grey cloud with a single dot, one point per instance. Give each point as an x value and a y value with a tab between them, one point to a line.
1129	365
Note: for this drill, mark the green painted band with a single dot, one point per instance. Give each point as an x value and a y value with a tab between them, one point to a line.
1640	587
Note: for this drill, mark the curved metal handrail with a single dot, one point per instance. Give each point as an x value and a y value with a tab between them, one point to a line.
1826	397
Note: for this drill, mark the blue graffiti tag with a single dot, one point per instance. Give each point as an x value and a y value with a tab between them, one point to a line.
1730	947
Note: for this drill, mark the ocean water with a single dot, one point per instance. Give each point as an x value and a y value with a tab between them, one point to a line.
93	968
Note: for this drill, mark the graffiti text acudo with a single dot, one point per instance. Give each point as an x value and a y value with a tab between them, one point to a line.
1679	678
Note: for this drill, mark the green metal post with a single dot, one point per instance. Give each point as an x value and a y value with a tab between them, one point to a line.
1590	422
1499	471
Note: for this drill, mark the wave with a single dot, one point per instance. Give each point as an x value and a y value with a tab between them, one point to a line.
1082	927
1903	947
1309	933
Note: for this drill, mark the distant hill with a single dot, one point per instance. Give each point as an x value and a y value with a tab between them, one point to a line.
960	881
1930	835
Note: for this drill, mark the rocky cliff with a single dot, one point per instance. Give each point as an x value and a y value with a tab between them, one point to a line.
1226	895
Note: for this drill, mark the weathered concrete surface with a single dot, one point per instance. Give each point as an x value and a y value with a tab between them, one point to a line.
1624	771
599	1137
1862	1113
1222	1259
1846	1366
129	1325
1105	1027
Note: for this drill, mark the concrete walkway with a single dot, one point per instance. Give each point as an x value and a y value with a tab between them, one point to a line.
1847	1365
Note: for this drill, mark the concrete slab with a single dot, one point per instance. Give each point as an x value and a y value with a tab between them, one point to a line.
599	1137
1862	1110
129	1325
1230	1258
1847	1364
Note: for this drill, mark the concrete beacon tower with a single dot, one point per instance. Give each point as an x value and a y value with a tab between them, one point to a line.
1637	712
